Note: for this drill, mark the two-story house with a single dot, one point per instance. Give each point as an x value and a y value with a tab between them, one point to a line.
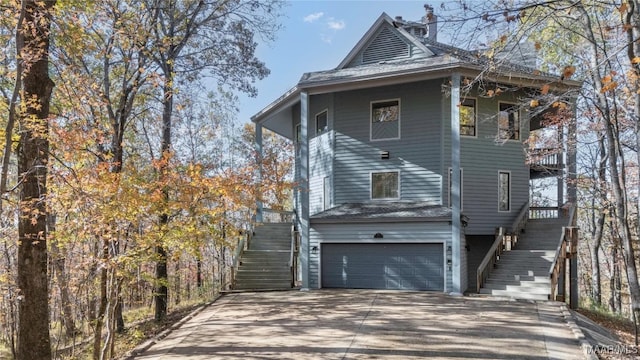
405	152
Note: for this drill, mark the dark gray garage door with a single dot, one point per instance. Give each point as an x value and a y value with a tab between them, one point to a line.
383	266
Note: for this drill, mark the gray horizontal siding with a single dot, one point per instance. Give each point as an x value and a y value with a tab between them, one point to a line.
481	159
416	154
320	151
426	232
320	165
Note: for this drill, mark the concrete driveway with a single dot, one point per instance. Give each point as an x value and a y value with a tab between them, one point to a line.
368	324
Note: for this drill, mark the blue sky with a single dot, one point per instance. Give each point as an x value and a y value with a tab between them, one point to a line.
317	35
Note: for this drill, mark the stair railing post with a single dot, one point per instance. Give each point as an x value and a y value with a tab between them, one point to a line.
572	239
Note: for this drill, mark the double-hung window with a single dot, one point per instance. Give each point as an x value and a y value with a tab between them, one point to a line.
385	120
385	185
508	122
322	122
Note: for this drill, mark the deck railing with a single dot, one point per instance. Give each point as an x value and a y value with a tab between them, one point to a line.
547	158
567	247
544	212
277	216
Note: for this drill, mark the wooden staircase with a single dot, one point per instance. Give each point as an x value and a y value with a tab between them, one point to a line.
265	264
523	273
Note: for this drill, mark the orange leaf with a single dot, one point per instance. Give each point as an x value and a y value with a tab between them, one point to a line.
623	8
545	89
635	60
534	103
568	71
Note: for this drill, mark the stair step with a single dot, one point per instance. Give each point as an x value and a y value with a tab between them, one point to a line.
263	285
519	277
529	289
515	294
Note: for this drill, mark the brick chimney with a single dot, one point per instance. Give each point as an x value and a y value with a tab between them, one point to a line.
431	21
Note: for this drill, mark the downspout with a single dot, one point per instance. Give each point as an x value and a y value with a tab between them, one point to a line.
456	257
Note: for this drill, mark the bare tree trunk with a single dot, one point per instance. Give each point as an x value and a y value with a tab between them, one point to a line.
162	291
598	223
102	309
60	269
615	159
10	301
33	153
177	284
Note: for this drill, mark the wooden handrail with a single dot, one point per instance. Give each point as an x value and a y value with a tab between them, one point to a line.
521	220
490	258
557	265
238	254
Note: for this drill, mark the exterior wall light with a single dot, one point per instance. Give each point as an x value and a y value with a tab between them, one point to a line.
378	236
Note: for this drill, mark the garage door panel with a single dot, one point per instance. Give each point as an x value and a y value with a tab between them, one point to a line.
383	266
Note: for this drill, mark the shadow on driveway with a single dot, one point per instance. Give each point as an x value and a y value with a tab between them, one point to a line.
369	324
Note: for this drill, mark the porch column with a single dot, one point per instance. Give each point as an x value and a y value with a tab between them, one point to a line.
258	150
304	189
561	179
571	167
456	257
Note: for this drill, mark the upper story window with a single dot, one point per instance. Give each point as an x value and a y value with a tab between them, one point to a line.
322	122
385	120
385	185
508	122
468	117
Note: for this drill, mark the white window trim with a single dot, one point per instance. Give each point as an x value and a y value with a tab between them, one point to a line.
475	109
371	116
510	192
371	185
515	105
449	173
316	122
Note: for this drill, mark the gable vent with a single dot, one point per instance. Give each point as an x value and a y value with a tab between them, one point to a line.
386	46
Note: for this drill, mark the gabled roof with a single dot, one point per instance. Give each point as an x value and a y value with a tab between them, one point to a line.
434	60
383	22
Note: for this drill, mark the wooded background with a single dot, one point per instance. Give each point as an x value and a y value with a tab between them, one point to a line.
126	182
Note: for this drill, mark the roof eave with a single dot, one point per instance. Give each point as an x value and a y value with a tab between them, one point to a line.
390	78
388	219
286	100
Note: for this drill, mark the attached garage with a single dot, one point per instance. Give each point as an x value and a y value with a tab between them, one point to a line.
397	266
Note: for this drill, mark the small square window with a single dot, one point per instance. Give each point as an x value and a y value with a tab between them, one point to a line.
385	120
468	117
508	122
322	123
385	185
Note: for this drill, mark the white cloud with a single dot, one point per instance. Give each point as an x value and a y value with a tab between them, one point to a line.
313	17
336	24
